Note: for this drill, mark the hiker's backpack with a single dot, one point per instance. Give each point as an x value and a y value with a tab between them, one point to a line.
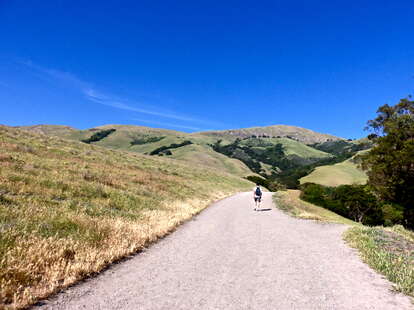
258	192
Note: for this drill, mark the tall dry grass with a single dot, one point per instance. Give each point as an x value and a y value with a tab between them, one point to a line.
67	209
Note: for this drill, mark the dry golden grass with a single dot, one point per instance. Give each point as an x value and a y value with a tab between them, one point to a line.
68	209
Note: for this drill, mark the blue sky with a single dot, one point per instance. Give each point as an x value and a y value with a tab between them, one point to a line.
200	65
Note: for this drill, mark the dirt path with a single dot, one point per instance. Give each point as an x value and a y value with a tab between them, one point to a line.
231	257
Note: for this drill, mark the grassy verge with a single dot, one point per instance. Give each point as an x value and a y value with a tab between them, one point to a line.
289	202
69	209
390	251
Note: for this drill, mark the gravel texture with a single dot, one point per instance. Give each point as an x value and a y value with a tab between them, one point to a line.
231	257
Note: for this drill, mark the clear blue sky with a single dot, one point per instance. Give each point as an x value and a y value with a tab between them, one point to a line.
199	65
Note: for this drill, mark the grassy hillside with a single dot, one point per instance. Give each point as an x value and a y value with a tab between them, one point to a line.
346	172
295	133
205	156
338	147
58	130
290	146
144	140
68	209
271	155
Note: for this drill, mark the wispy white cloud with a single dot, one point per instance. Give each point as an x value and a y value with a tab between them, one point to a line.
66	77
123	104
92	94
165	124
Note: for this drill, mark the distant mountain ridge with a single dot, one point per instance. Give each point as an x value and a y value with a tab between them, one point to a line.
49	129
303	135
300	134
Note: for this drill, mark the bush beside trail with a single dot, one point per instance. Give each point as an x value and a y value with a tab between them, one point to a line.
356	202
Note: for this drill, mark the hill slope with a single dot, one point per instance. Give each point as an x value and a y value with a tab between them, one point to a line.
346	172
145	140
270	156
68	209
338	147
58	130
291	147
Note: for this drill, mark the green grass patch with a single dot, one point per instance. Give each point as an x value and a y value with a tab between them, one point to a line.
205	156
63	227
388	251
344	173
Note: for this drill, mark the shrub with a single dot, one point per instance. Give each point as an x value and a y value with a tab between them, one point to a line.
355	202
393	214
99	136
270	185
359	203
314	193
163	149
145	140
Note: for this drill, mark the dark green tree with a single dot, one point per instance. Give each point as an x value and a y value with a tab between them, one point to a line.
390	163
360	204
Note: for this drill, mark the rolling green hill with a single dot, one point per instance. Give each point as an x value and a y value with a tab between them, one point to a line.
346	172
206	156
145	140
292	147
343	146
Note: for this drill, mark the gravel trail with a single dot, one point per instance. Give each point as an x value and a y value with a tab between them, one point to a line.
231	257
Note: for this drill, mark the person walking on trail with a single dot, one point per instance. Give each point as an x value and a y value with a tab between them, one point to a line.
257	195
